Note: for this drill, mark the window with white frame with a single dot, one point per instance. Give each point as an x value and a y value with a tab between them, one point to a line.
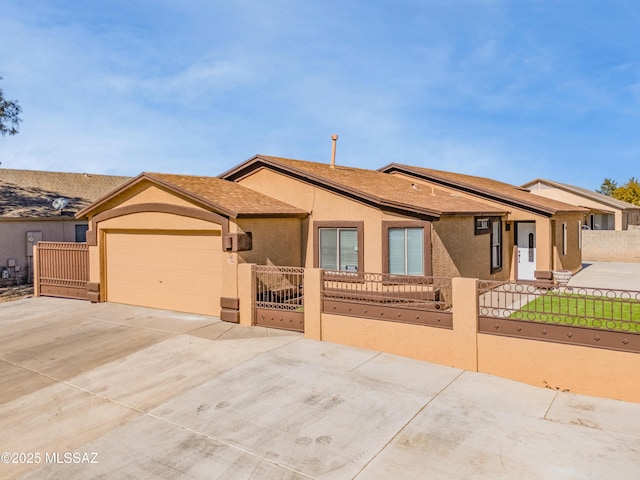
338	249
406	251
496	245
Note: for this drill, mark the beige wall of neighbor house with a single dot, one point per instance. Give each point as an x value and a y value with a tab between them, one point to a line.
13	238
621	217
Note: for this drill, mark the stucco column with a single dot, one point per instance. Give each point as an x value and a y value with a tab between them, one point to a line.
545	248
313	303
465	323
245	293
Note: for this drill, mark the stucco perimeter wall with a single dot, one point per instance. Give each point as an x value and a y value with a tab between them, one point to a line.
584	370
611	245
578	200
429	344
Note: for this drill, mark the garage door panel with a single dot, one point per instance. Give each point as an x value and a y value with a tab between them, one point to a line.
172	271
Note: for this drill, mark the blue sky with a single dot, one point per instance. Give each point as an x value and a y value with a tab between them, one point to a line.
511	90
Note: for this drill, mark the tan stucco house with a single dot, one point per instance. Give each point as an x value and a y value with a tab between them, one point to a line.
366	221
174	241
604	212
36	206
540	235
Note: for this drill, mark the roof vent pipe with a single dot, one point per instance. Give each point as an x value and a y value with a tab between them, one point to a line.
334	139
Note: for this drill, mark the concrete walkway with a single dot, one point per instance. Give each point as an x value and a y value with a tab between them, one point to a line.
153	394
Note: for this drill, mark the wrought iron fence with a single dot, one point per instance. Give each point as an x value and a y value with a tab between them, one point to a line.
428	293
594	308
279	288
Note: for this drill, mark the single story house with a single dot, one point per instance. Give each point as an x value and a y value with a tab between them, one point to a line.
174	241
540	234
36	206
365	221
604	212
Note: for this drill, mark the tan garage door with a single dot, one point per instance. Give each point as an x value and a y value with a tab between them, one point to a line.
180	272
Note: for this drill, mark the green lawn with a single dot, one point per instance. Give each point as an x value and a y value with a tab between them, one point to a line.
582	310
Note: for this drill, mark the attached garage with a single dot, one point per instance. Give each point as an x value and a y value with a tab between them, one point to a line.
174	271
174	242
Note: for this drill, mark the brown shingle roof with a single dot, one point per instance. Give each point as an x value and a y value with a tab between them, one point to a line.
486	188
227	197
222	196
30	193
370	186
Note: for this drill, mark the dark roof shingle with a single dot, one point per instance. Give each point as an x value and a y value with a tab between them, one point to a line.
30	193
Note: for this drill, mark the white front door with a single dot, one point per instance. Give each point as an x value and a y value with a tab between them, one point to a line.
526	250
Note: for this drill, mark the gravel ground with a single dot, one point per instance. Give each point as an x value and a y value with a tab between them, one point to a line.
15	292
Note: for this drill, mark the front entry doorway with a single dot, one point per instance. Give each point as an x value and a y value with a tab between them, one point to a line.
526	235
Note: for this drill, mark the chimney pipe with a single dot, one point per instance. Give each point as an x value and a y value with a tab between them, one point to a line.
334	139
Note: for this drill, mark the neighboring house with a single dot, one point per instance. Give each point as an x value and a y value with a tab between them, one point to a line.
605	212
540	235
35	206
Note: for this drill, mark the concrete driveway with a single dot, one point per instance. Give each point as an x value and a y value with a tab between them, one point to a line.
613	275
111	391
